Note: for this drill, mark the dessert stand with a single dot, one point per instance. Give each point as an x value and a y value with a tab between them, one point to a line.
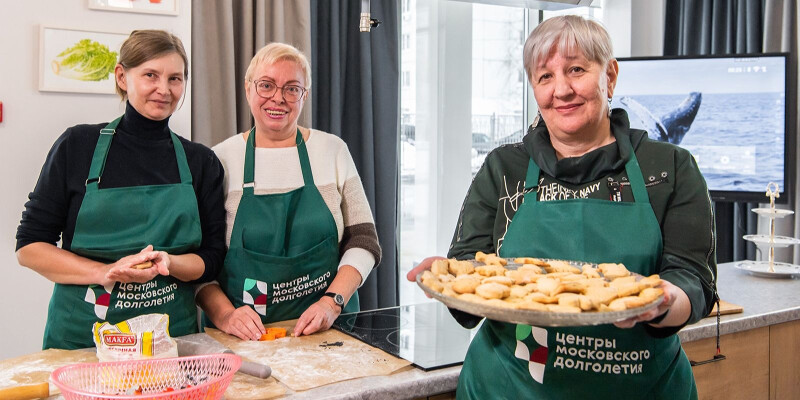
770	268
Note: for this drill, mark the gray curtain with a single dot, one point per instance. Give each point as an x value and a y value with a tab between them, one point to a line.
357	97
715	27
225	36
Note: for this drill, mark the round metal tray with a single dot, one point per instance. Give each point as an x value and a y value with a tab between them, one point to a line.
772	212
776	241
538	318
761	269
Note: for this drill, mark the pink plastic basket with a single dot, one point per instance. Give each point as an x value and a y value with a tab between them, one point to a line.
203	377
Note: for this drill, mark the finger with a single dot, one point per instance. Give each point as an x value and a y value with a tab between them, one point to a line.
253	316
147	249
162	269
625	323
425	264
247	331
235	331
315	324
647	316
238	327
301	324
251	327
134	259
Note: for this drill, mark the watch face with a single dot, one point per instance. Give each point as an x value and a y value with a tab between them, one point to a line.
338	299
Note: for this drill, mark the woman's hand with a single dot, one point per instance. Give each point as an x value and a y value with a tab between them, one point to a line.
242	322
318	317
422	266
121	270
675	304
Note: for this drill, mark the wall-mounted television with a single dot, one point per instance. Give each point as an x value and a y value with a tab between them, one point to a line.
730	112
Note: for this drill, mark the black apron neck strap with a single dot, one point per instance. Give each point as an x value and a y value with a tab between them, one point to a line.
100	156
631	168
248	183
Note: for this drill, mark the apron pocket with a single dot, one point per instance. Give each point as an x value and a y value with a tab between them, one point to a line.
317	250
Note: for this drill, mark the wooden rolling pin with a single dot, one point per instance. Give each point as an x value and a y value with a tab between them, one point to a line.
26	392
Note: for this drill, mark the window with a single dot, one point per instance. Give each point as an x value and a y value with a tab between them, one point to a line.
463	93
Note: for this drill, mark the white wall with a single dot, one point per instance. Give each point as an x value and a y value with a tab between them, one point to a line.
32	120
647	28
636	27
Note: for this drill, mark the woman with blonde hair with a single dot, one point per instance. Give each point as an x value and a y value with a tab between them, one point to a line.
122	196
301	237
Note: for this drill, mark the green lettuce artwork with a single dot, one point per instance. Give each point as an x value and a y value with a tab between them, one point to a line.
87	60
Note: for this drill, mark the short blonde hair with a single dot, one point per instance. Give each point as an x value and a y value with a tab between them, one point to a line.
275	52
566	34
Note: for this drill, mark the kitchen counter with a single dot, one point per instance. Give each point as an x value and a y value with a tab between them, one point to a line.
765	301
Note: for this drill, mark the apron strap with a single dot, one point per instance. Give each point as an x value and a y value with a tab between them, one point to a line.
532	177
634	173
104	144
249	163
100	154
305	164
248	184
180	154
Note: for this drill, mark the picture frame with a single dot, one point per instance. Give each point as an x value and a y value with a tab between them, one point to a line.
165	7
77	60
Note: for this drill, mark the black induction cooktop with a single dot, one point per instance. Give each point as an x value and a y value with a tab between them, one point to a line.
425	334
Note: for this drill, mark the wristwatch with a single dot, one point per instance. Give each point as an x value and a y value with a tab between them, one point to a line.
337	298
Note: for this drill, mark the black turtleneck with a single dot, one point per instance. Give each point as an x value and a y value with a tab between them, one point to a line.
141	153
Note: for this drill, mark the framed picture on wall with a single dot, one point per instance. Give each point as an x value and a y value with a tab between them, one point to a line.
167	7
78	61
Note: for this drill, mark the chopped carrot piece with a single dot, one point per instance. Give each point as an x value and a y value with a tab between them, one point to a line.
278	332
273	333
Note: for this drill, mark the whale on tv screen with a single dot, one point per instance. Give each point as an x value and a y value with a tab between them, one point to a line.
729	112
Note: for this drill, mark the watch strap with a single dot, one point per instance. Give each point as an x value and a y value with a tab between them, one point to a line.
337	298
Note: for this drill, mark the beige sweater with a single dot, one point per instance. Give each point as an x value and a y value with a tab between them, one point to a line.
335	176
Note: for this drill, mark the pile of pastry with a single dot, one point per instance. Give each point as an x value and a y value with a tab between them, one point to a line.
539	285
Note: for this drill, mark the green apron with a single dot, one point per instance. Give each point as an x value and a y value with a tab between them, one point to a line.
511	361
284	248
116	222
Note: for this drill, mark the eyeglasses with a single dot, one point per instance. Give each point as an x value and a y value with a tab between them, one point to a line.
291	93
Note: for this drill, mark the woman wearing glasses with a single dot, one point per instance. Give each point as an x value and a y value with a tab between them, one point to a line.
301	238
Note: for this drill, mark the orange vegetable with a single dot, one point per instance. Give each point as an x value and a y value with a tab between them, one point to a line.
273	333
278	332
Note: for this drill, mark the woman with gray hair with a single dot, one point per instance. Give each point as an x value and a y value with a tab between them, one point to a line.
575	189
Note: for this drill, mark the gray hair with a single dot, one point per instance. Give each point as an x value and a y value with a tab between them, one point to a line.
275	52
567	34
